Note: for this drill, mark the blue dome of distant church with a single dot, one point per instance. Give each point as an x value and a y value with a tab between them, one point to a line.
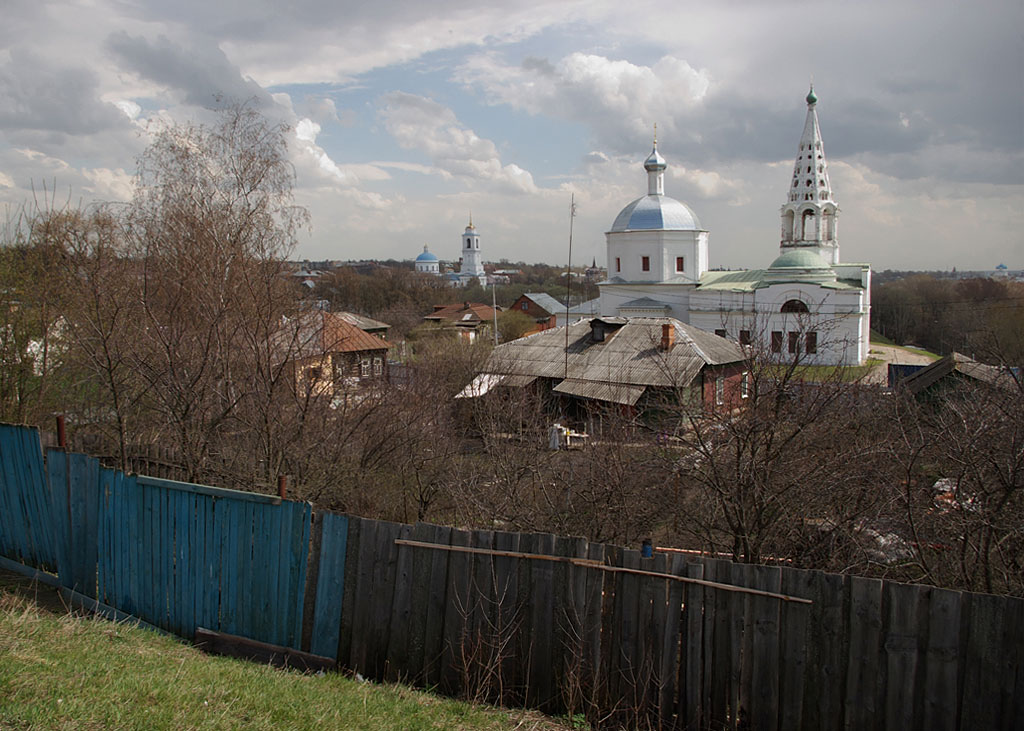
426	256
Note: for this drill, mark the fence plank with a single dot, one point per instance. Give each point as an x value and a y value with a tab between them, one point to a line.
693	677
941	706
349	605
825	682
793	651
720	636
419	598
862	705
902	639
764	666
986	665
456	613
541	689
508	618
330	584
362	608
433	629
401	610
382	596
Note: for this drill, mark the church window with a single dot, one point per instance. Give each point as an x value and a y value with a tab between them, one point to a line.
720	332
645	263
808	182
618	264
467	242
795	183
744	337
776	341
794	306
794	342
812	342
808	169
680	263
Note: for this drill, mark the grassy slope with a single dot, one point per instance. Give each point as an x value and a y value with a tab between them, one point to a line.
63	671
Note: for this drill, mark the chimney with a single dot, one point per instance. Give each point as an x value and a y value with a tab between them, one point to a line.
668	336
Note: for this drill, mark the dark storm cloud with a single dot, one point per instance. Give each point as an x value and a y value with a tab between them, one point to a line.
52	99
201	74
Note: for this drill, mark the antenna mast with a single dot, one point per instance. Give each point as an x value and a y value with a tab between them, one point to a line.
568	282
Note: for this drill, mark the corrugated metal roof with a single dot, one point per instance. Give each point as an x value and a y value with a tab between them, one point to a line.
546	302
361	321
590	307
618	393
959	363
629	355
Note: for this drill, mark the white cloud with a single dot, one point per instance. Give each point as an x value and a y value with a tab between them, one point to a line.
616	98
419	123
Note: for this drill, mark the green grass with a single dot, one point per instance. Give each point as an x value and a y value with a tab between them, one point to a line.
878	339
822	373
72	672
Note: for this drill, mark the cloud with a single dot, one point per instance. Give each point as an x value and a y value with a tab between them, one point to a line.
200	74
39	95
419	123
620	100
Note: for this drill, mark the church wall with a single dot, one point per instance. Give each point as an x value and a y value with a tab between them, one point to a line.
676	296
662	248
838	320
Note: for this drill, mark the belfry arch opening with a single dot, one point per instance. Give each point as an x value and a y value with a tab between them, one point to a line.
809	226
828	225
787	226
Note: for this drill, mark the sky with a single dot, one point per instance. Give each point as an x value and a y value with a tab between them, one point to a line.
405	118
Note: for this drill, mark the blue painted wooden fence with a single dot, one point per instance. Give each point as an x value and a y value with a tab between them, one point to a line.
176	555
26	525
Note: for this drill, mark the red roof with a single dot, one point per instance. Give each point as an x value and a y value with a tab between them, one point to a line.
463	312
325	332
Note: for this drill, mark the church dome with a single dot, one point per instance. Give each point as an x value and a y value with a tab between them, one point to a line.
425	256
799	260
656	213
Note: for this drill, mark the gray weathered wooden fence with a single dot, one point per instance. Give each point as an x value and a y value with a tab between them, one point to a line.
550	622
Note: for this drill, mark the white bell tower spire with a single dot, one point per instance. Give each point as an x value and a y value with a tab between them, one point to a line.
472	257
809	213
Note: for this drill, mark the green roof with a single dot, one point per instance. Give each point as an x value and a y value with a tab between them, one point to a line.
798	259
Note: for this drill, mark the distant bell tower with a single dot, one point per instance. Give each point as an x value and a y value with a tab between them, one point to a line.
810	212
472	259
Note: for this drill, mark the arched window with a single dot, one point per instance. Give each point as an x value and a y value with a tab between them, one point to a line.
810	226
794	306
787	226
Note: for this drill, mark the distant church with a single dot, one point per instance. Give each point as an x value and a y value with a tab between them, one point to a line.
805	304
472	268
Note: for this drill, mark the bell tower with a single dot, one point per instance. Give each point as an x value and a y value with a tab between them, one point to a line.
809	214
472	258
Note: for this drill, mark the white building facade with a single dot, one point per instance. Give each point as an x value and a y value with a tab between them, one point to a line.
805	304
472	258
428	263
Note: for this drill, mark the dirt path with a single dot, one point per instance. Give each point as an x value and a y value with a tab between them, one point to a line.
892	354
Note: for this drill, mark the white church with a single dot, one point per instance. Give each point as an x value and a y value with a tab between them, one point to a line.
805	304
472	262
